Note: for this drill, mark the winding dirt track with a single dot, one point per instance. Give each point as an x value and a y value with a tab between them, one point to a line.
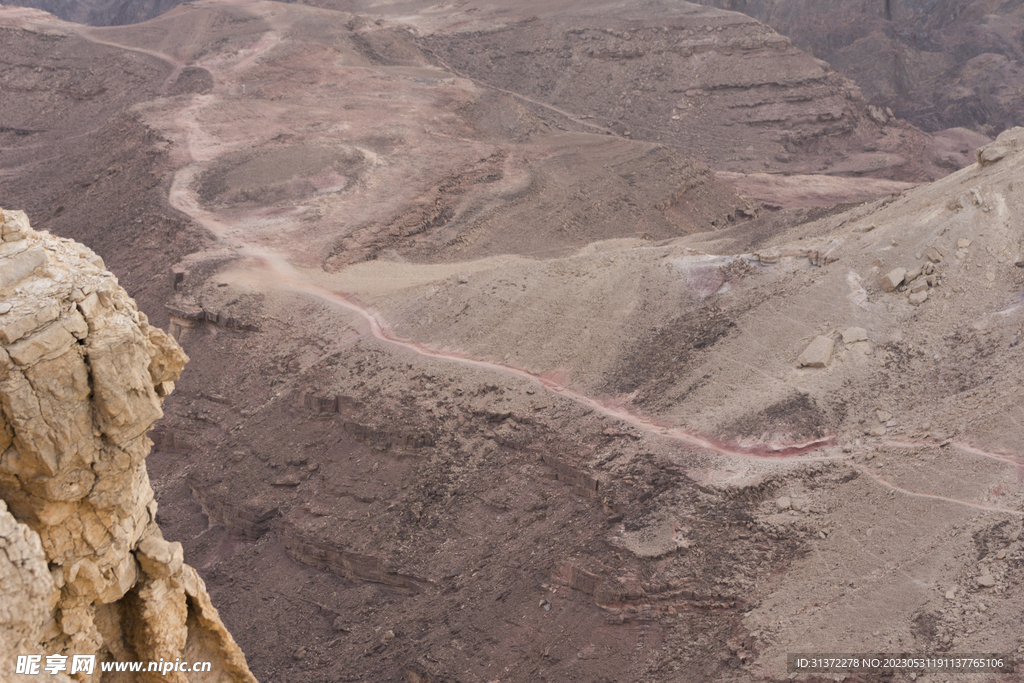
182	197
280	271
523	98
177	64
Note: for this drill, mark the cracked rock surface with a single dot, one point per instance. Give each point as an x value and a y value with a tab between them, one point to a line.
85	569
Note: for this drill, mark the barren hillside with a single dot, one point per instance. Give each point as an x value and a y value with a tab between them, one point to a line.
485	388
936	64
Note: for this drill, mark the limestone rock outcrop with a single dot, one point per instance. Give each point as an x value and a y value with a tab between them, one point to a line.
85	569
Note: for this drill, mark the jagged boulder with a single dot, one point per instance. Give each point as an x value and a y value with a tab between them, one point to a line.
82	379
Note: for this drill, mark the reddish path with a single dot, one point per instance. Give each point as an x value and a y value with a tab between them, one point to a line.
292	279
297	282
279	269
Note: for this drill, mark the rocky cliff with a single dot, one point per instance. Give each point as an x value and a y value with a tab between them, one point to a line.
936	63
85	569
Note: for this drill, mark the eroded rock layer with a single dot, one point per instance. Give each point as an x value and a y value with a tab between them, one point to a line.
82	379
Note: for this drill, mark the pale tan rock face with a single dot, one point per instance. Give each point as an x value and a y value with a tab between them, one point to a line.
82	379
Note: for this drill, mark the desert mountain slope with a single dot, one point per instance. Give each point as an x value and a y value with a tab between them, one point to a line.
728	90
936	64
482	388
645	323
103	12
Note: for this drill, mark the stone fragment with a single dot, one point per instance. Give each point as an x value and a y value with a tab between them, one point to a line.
783	503
89	306
918	298
951	594
13	226
986	580
817	354
1001	555
16	328
878	431
5	308
52	341
918	286
854	334
992	152
796	505
913	274
928	268
935	254
158	557
16	268
75	325
883	416
893	279
963	243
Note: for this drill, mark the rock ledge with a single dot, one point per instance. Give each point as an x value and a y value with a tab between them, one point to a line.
86	570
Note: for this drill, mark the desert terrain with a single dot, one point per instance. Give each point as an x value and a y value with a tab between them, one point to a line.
556	342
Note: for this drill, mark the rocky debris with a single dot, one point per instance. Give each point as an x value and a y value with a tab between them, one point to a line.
917	281
918	298
879	116
377	434
784	503
569	573
935	254
187	316
893	279
817	354
310	549
251	520
82	378
583	484
995	151
854	334
986	580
